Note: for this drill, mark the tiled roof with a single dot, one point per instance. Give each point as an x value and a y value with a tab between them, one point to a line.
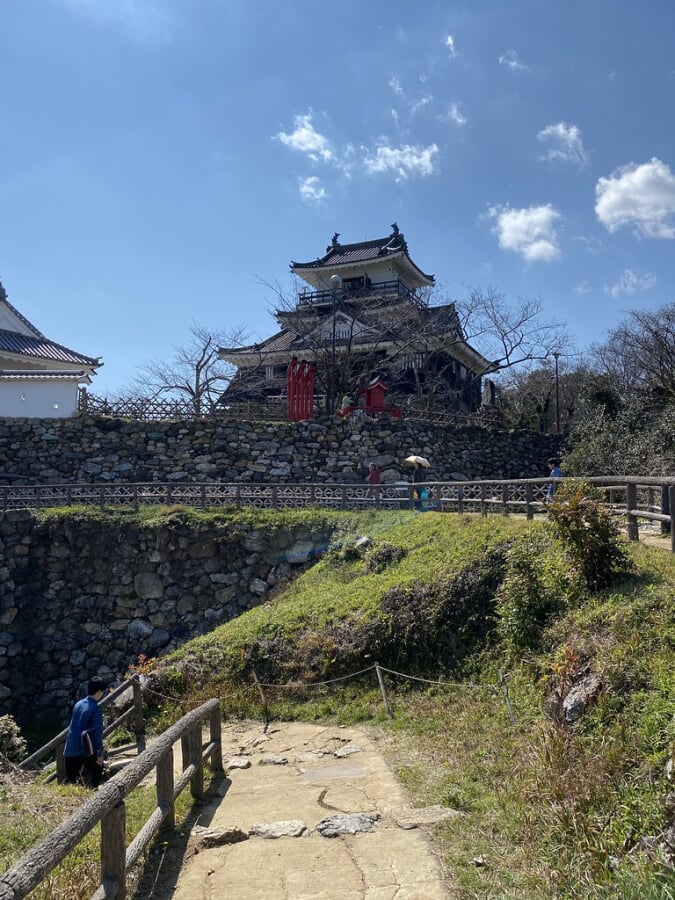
42	348
18	375
346	254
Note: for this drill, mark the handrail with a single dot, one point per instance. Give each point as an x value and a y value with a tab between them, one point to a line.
485	495
58	742
107	807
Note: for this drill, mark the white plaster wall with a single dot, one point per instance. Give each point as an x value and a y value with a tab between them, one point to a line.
38	400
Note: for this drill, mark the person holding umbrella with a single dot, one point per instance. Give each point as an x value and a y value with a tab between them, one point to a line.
421	492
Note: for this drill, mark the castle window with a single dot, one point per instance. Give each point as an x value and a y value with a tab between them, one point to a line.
342	331
269	373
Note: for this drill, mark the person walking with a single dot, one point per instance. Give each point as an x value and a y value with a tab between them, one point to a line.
374	474
555	472
84	743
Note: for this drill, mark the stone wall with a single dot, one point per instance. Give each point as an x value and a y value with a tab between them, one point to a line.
90	450
81	594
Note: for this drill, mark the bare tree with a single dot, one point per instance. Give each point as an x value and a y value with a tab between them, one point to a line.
639	355
531	398
194	373
417	334
510	333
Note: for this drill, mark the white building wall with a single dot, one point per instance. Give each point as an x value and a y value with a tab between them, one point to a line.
38	399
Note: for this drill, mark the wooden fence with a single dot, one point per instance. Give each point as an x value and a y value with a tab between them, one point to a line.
270	410
133	715
107	807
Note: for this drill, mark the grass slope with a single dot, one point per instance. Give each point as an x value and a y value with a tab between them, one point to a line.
553	809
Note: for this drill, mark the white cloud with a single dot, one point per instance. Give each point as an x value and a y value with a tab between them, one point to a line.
311	190
529	232
403	161
455	115
307	139
632	283
512	61
450	44
420	104
141	19
639	195
591	244
582	288
395	85
563	143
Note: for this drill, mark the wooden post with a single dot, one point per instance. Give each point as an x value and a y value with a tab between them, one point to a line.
505	499
666	527
483	500
382	690
529	511
671	505
60	762
216	739
197	780
139	724
460	499
631	518
165	798
113	853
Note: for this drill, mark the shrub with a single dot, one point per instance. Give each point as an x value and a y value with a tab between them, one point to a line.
537	586
588	534
12	745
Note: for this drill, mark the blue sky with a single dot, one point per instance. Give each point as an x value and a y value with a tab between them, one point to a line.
158	158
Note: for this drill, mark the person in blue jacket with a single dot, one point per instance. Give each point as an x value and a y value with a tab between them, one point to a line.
555	472
84	743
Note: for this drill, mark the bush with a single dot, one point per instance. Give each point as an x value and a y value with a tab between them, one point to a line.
537	586
12	745
588	534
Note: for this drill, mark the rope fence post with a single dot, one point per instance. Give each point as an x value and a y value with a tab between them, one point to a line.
262	697
505	691
383	691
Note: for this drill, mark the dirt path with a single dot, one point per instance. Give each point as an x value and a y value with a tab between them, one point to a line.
303	775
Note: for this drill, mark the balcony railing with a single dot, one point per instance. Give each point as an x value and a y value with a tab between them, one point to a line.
346	291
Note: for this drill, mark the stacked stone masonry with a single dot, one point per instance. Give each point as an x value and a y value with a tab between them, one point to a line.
91	450
81	596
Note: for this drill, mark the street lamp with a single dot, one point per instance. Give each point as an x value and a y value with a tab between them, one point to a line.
556	354
335	285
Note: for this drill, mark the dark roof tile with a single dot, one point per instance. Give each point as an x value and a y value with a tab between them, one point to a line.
42	348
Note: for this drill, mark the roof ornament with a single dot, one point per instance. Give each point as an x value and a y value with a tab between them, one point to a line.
397	241
334	244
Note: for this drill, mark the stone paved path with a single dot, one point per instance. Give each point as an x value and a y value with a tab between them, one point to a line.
300	775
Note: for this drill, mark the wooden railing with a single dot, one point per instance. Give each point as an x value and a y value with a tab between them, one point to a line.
107	807
134	714
632	497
